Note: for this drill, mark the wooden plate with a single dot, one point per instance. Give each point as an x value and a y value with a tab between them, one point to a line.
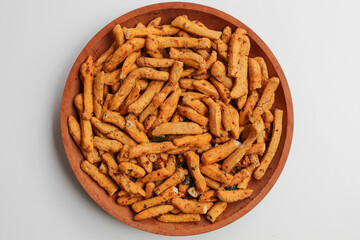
214	19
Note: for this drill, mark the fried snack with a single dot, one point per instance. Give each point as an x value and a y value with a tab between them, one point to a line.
216	211
274	143
172	181
99	93
135	129
255	75
223	91
132	97
234	52
227	118
240	87
226	35
130	81
171	163
184	23
75	132
87	141
249	169
212	183
153	212
234	195
154	42
248	107
149	190
122	52
132	169
220	152
193	163
181	217
206	88
230	162
87	74
164	30
103	180
127	200
265	98
263	67
155	22
189	58
112	132
157	175
192	115
114	118
188	206
193	141
98	64
167	108
238	178
126	184
118	35
177	128
222	49
149	122
107	145
129	61
210	60
214	116
112	78
150	148
195	104
218	70
208	196
214	172
154	62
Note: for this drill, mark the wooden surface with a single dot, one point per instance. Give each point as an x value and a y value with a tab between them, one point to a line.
216	20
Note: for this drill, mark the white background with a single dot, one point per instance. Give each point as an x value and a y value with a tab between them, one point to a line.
316	197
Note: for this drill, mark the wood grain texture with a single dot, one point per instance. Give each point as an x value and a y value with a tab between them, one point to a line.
216	20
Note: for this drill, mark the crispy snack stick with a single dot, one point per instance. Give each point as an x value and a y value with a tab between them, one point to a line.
218	208
129	61
226	35
148	203
131	128
206	88
234	52
153	212
155	22
210	60
189	58
218	70
230	162
149	122
220	152
240	87
254	163
112	132
171	163
212	183
193	162
184	23
263	67
149	190
193	141
98	64
214	116
177	128
150	148
132	169
125	183
227	118
87	74
233	196
114	118
112	78
238	178
186	83
256	148
188	72
167	109
118	35
157	175
164	30
248	107
140	104
107	145
130	81
188	206
103	168
213	172
154	42
154	62
236	130
192	115
132	97
222	49
127	200
223	91
193	95
181	217
274	143
255	75
145	163
265	98
174	180
103	180
122	52
208	196
197	105
75	132
99	93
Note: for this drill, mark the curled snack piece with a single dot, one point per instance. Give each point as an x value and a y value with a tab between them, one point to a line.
233	196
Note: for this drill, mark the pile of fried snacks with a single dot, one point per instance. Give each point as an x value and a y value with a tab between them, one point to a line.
176	119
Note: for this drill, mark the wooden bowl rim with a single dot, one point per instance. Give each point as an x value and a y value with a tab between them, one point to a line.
289	123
